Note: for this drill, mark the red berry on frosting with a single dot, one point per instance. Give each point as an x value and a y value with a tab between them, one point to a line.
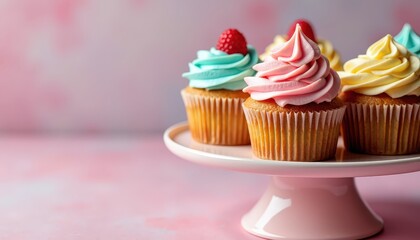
306	29
232	41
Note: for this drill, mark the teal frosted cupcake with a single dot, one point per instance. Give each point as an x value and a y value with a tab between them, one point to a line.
213	100
409	39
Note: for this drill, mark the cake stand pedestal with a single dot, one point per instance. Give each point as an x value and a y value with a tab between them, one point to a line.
304	200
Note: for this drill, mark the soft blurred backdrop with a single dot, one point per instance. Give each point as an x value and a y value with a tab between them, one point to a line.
114	66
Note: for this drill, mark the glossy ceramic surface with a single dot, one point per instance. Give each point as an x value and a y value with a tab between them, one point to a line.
240	158
311	208
316	200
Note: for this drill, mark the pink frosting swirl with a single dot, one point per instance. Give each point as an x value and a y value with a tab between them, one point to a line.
295	73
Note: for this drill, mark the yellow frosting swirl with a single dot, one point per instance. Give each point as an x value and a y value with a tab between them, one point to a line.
329	52
387	67
279	39
326	49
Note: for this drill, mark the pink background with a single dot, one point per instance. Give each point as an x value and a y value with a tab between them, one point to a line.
115	66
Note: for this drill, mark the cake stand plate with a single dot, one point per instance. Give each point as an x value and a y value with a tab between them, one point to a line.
304	200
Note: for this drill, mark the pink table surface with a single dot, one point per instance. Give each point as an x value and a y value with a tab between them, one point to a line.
134	188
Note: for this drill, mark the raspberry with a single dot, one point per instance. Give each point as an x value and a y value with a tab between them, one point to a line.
232	41
306	29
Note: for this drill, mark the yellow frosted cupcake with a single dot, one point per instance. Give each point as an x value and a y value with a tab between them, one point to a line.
382	93
325	46
213	100
293	112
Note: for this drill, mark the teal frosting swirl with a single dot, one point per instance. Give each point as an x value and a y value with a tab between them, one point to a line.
215	69
409	39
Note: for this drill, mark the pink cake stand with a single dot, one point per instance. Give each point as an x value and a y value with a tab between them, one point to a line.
305	200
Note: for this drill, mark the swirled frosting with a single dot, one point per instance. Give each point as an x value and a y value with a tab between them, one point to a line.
294	73
409	39
215	69
331	54
326	47
387	67
278	39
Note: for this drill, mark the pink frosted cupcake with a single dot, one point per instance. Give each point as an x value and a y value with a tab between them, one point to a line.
293	112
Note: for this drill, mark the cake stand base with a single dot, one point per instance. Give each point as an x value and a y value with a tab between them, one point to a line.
305	200
312	208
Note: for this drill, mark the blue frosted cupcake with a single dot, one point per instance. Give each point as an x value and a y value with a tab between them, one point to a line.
213	100
409	39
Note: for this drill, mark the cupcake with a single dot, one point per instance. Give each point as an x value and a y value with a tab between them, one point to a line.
213	100
293	112
409	39
382	93
326	47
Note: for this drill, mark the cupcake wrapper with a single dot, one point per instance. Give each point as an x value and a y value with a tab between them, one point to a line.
294	136
382	129
215	120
